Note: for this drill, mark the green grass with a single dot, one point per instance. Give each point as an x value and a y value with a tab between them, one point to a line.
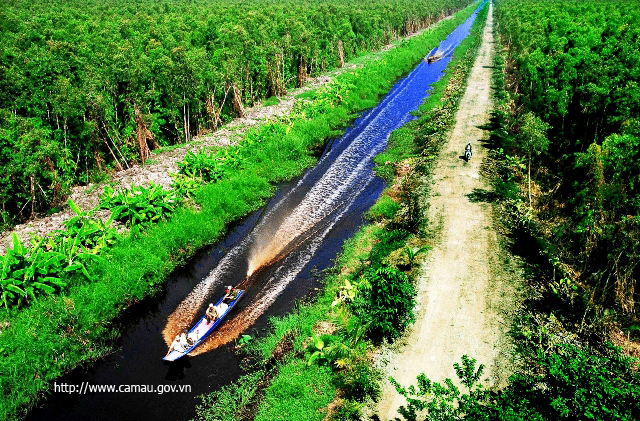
229	402
298	393
401	146
310	94
384	208
271	101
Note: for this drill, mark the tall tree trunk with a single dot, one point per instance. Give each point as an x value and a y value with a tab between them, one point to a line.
237	101
141	135
530	206
33	197
184	118
340	53
302	71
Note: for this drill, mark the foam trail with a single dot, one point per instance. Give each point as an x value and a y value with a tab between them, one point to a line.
293	229
186	312
276	284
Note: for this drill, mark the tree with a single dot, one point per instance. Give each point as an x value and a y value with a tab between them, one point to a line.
533	139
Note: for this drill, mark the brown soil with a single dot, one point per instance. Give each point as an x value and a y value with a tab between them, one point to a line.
467	281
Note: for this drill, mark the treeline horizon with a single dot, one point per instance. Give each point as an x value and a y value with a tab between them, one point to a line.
90	87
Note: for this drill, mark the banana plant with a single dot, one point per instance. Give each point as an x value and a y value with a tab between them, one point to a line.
27	273
413	252
322	351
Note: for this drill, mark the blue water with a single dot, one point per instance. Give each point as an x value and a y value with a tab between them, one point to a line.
306	222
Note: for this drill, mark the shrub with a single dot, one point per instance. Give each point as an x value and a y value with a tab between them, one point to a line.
573	384
139	205
387	304
385	208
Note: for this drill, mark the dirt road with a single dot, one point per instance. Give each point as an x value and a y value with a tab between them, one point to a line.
463	289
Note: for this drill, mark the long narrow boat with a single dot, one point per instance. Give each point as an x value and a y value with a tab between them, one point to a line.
204	329
434	55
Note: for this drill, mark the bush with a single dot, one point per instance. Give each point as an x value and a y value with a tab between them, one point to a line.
385	208
573	384
386	306
139	205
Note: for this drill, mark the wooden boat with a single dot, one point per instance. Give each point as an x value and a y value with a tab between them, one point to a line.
204	329
434	55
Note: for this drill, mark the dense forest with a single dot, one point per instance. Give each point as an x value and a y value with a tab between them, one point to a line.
88	87
574	71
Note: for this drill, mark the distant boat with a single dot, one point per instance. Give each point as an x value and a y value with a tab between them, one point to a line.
434	57
204	328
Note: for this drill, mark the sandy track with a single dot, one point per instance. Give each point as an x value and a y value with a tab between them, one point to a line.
463	290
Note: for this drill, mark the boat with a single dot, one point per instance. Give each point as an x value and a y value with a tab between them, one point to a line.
434	55
204	328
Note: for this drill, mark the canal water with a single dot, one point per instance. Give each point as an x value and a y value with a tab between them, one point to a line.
283	246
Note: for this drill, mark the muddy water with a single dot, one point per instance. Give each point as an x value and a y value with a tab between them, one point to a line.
300	231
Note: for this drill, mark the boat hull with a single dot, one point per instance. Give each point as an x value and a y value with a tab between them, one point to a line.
204	328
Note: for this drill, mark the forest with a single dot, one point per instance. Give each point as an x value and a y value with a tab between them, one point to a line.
92	87
574	72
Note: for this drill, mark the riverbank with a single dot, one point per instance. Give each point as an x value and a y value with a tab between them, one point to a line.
78	327
316	364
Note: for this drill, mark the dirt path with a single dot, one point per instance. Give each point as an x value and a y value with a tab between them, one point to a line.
463	290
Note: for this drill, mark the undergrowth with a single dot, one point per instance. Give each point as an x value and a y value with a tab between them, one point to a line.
570	371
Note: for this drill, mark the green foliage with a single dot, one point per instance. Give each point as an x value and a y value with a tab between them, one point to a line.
572	384
28	273
137	267
46	267
185	186
384	208
310	387
80	81
387	306
139	205
228	402
94	234
204	166
326	349
400	146
413	252
388	241
357	379
570	65
271	101
532	137
244	340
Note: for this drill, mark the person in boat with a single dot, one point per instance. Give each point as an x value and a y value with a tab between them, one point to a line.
231	294
193	336
176	345
211	313
184	341
221	308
